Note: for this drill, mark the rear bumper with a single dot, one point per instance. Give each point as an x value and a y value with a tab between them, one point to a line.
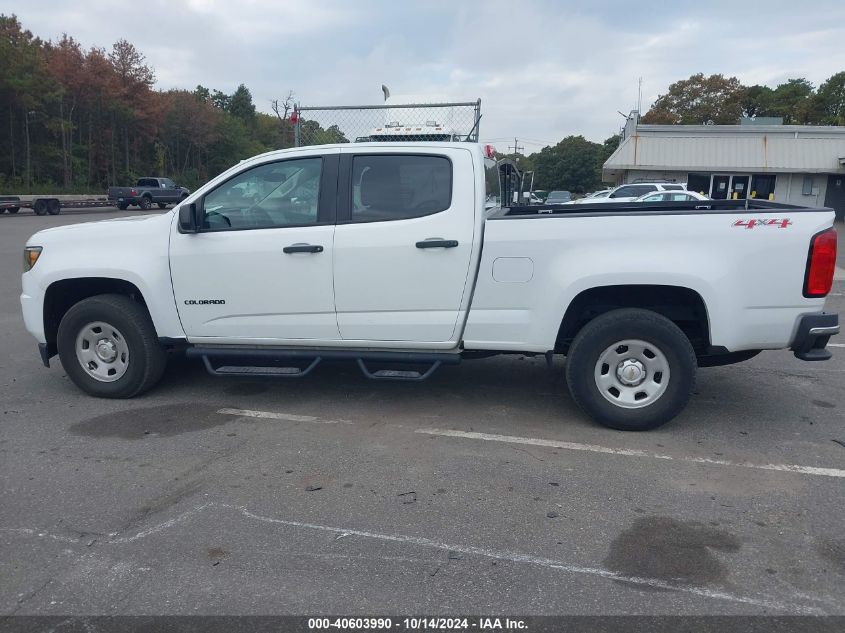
814	331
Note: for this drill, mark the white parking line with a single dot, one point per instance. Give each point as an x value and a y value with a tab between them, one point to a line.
470	550
836	344
270	415
630	452
516	557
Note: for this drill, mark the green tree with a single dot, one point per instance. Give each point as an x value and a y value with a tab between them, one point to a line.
757	101
791	100
699	100
574	164
241	106
313	134
830	100
202	94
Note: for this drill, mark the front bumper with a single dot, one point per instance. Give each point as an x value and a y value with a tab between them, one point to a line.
814	331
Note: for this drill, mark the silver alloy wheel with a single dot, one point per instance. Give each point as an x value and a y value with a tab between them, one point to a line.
102	351
632	374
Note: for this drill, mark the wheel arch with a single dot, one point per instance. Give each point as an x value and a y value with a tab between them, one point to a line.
62	294
683	306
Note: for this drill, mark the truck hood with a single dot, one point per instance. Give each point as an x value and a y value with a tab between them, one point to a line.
114	228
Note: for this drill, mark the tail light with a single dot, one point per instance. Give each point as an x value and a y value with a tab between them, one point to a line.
821	262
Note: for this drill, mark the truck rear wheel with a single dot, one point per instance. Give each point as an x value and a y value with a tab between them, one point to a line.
631	369
122	206
145	203
109	348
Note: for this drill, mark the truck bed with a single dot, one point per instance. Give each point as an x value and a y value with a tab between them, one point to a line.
745	262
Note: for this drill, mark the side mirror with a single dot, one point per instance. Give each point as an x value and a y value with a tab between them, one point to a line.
189	221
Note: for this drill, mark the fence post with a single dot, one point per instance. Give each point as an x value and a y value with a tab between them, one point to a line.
297	128
478	120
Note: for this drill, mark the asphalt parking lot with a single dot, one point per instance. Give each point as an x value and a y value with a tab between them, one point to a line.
483	490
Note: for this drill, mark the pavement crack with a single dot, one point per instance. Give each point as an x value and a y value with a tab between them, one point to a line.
31	595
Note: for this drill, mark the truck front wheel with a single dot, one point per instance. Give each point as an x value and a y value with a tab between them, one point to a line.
631	369
109	348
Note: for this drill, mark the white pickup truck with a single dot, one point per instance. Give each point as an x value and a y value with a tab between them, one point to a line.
384	254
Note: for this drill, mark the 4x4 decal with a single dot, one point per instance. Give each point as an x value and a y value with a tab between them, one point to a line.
781	223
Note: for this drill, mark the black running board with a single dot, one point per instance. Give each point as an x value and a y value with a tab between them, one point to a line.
295	363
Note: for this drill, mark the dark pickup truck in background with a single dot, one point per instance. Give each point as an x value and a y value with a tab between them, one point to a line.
148	191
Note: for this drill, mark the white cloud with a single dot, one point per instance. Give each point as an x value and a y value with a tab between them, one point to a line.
543	68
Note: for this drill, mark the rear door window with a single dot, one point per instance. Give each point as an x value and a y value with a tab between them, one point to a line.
399	187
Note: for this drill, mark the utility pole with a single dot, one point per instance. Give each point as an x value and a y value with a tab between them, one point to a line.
516	146
640	96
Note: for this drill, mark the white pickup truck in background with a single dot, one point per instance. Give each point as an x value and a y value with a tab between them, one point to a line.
384	254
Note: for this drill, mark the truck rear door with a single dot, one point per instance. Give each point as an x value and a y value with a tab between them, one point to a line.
403	243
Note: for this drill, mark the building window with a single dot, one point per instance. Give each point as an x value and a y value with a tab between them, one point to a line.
700	183
807	189
763	186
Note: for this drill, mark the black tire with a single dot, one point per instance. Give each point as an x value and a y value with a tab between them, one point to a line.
122	206
54	207
162	205
146	357
40	207
599	336
145	203
14	210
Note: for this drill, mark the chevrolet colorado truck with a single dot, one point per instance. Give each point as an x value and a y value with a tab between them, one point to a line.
384	254
146	192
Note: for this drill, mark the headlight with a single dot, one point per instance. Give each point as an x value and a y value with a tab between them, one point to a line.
30	256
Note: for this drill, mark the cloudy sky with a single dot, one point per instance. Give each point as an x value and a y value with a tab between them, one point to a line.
543	68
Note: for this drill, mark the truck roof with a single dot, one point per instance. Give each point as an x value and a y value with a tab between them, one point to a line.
404	145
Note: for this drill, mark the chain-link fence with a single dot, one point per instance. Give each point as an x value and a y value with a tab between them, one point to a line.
388	122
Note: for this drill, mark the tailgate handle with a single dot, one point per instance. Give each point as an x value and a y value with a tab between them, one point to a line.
436	242
303	248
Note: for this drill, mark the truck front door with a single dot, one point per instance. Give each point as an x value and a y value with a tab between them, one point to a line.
403	244
259	270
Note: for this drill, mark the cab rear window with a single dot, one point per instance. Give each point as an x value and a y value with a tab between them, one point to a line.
399	187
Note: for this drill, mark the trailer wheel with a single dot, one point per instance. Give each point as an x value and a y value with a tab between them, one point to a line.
145	203
122	206
54	207
40	207
162	205
631	369
14	210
